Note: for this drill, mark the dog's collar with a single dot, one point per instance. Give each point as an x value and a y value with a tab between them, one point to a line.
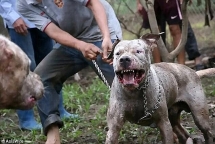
143	87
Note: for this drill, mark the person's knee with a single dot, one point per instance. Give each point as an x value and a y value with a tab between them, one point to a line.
175	30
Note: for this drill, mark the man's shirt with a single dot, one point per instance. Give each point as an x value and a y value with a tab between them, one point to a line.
71	16
9	13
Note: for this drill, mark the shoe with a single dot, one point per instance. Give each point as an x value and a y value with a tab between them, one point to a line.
27	120
199	67
30	125
66	115
63	113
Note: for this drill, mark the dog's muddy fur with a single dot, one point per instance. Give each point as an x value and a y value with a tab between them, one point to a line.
19	88
172	87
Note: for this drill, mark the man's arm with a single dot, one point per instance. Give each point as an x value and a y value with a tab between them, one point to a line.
101	19
100	16
44	24
90	51
8	13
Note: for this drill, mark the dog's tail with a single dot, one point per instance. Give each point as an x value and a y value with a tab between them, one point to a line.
210	72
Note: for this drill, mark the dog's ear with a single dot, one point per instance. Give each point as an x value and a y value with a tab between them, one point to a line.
150	38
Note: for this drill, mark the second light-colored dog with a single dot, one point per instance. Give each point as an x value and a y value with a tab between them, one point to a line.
19	87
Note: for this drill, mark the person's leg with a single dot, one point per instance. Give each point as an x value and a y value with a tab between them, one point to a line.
191	48
176	35
172	14
156	55
43	45
26	117
54	69
63	113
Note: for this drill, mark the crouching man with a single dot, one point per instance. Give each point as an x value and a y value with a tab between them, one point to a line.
85	30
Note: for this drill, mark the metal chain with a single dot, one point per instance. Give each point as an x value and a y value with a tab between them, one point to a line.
101	74
109	57
148	113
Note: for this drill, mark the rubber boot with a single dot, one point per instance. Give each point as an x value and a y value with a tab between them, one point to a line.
27	120
63	113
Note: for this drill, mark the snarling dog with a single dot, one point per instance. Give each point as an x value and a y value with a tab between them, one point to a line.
19	88
154	94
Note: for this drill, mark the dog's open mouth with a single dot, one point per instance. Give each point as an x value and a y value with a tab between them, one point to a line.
33	99
130	77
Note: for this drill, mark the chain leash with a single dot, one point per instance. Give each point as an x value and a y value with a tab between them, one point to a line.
101	74
109	57
148	113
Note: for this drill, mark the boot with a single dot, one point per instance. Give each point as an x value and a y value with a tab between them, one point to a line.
63	113
27	120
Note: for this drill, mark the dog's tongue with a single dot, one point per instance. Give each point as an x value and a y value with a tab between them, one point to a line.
128	78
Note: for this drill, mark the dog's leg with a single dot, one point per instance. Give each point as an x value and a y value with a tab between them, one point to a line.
166	131
201	119
174	117
115	123
199	110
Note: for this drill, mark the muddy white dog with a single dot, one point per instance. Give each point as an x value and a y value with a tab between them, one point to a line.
154	94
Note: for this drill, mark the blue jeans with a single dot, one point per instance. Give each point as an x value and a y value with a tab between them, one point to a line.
60	64
35	44
191	46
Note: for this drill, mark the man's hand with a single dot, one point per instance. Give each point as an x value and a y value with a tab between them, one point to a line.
90	51
107	47
20	26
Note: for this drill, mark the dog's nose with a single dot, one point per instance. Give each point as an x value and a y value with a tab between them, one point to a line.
125	61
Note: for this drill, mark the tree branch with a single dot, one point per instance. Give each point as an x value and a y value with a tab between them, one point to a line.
129	8
126	28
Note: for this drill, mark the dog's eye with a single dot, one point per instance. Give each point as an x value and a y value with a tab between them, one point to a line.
117	53
139	51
